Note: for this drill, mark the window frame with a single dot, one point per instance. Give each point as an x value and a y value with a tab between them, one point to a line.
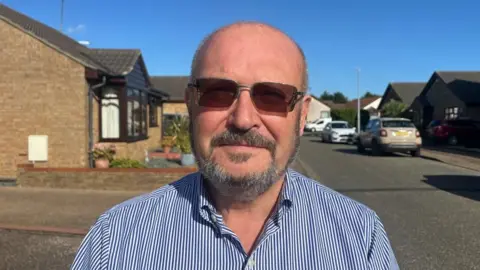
452	113
124	99
152	112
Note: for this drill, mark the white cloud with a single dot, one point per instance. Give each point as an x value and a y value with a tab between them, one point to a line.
76	29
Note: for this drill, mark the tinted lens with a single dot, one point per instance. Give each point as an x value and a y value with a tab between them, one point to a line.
272	97
216	93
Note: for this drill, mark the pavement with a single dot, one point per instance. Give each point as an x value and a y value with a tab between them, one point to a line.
42	228
431	209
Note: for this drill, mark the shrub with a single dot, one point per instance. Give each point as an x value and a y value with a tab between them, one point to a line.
127	163
344	115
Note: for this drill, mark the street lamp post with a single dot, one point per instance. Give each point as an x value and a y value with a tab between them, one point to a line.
358	100
61	15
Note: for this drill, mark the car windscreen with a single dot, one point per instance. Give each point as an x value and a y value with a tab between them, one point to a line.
340	125
397	124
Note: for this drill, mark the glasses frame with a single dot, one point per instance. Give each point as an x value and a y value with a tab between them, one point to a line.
296	96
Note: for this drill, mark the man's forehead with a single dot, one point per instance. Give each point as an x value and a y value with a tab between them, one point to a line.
262	54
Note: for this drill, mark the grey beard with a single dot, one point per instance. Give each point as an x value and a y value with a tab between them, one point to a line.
249	186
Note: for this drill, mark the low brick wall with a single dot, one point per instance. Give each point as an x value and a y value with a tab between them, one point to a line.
100	179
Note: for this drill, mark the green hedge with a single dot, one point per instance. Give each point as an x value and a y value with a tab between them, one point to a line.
127	163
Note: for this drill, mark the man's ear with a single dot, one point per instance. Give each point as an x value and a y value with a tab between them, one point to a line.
187	97
304	112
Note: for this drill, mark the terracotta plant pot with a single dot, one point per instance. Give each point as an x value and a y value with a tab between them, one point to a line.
102	163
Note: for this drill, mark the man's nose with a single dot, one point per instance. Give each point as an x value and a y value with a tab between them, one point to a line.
244	115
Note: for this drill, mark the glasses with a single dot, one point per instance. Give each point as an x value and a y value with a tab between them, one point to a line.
266	96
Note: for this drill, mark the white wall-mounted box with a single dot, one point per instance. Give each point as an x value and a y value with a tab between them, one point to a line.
37	148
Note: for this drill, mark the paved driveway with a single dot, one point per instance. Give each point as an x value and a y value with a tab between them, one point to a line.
431	210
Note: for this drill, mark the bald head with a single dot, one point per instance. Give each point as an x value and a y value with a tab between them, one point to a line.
251	47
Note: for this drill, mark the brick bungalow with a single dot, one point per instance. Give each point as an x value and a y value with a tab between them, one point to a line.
52	85
174	105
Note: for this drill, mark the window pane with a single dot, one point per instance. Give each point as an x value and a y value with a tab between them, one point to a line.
110	118
144	113
137	118
130	118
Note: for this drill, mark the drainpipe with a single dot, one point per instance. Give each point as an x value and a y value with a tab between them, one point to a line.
90	119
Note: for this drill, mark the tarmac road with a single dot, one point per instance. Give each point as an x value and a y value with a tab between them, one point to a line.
431	210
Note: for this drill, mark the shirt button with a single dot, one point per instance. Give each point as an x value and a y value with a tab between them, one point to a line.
251	262
214	218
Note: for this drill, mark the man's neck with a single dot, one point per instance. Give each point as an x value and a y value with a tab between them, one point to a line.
259	207
247	219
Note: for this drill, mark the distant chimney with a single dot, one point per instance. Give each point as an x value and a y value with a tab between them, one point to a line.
84	42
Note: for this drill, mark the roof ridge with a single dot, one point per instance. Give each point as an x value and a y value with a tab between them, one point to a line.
37	21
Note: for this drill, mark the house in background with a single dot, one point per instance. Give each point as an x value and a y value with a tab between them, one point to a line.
404	92
334	106
369	104
74	96
175	105
448	95
317	110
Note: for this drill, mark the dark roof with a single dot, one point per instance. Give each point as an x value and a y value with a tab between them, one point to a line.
117	61
408	91
449	76
110	61
48	35
172	85
363	102
464	84
333	105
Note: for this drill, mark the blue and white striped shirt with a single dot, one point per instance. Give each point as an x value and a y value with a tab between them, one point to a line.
176	227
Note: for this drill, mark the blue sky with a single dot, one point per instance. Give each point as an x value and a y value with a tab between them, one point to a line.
389	40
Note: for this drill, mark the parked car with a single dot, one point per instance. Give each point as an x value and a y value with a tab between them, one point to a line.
390	135
317	125
454	132
337	132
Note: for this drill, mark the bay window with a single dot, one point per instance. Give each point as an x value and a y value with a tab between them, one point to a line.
136	113
123	114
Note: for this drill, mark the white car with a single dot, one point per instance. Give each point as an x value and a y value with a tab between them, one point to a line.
338	132
317	125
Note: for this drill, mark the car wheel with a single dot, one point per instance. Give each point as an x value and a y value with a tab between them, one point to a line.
416	153
376	150
360	147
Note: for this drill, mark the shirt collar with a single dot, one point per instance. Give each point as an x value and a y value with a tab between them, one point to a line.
287	195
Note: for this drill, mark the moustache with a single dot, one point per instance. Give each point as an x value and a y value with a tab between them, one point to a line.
250	138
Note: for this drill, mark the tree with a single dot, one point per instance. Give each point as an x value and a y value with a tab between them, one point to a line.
393	108
368	94
339	97
326	96
347	114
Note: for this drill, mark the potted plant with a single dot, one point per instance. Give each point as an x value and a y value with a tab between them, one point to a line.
181	132
167	143
187	157
103	154
169	137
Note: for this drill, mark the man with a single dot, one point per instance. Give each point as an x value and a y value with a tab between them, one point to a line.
247	104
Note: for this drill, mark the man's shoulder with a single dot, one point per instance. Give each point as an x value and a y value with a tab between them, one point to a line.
162	196
317	194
